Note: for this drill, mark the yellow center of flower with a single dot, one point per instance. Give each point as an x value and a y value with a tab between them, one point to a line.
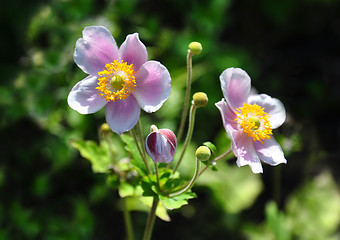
254	121
116	81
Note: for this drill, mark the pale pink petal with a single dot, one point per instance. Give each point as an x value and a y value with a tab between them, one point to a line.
170	136
228	116
235	84
122	115
270	151
272	106
245	152
159	148
95	49
133	51
153	86
84	96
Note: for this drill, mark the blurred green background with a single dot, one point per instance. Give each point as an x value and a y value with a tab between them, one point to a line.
290	49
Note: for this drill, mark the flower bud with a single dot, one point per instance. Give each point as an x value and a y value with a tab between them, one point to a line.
104	128
200	99
203	153
195	48
161	145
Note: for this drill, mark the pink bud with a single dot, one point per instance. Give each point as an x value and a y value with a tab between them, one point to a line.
161	145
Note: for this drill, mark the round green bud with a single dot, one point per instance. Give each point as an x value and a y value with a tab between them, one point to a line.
203	153
195	48
104	128
200	99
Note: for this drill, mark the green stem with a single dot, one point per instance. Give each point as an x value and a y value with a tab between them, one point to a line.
157	177
215	160
141	138
187	95
151	220
189	134
141	152
128	222
191	183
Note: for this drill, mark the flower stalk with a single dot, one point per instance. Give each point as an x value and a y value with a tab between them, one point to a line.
189	133
127	221
151	220
187	95
192	181
141	152
215	160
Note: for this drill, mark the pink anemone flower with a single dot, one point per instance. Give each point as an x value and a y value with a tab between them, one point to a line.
121	79
249	120
161	145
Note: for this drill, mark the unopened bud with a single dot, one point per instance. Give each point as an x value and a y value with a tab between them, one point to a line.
161	145
200	99
104	128
203	153
195	48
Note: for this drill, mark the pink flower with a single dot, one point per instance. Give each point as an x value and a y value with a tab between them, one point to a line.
161	145
121	79
249	120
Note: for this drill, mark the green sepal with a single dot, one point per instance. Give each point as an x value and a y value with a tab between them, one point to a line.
212	148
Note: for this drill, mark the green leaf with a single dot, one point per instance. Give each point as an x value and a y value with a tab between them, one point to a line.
139	203
98	155
314	209
147	184
234	188
277	223
137	161
125	190
177	201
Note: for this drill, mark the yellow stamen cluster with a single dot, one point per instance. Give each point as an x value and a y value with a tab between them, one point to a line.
116	81
254	121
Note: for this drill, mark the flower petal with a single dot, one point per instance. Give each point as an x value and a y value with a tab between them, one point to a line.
272	106
270	152
95	49
122	115
159	148
168	134
84	96
133	51
245	152
228	116
235	84
153	86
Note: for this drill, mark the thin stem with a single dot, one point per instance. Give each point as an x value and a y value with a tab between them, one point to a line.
157	177
189	133
140	152
187	95
128	222
151	220
191	183
222	155
141	138
215	160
